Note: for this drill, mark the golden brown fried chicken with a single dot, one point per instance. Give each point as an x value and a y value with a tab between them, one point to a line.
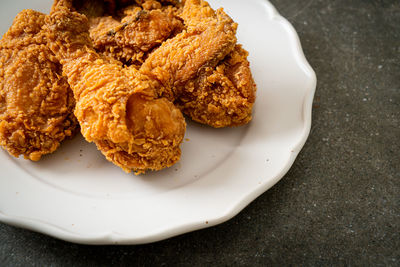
221	96
208	38
131	31
133	37
116	107
36	103
199	66
212	82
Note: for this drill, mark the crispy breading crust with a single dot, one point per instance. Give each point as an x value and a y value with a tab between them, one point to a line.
36	103
115	106
132	38
211	81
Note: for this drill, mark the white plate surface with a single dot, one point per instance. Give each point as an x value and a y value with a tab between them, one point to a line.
76	195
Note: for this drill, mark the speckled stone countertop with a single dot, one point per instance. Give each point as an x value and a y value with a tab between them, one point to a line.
340	202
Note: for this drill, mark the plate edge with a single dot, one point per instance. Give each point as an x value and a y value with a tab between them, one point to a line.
114	238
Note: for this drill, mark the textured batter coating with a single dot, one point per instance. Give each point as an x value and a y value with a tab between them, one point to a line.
221	96
36	103
211	81
116	107
128	30
138	32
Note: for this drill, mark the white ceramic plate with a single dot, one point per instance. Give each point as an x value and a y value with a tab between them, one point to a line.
76	195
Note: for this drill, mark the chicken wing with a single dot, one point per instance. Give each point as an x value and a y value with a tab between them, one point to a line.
212	82
221	96
132	38
115	106
36	103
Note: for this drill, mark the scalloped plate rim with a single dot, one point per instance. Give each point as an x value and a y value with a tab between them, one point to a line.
113	237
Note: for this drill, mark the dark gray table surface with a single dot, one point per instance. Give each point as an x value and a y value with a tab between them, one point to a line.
339	204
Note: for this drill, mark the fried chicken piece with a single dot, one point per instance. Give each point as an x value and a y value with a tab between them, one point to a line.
221	96
130	32
115	106
36	103
212	81
209	37
131	39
